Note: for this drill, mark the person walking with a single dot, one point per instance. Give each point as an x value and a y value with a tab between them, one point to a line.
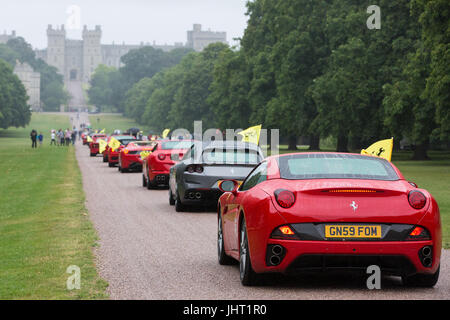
67	136
33	136
40	139
74	136
53	137
61	137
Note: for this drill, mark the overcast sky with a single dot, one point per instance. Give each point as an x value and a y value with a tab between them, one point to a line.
132	21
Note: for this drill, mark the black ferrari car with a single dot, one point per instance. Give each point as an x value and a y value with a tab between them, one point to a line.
194	180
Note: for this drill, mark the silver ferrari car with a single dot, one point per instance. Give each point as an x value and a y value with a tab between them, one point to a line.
194	180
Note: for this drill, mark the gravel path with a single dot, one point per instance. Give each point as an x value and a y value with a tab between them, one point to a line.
149	251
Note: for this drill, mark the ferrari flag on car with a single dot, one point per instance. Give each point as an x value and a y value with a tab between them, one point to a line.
114	143
165	133
89	139
251	134
382	148
102	145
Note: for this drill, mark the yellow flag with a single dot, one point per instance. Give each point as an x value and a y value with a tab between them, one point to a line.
89	139
102	145
382	149
114	143
251	134
165	133
103	131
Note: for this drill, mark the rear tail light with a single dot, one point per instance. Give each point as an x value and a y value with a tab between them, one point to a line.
284	232
194	168
125	151
417	199
419	233
285	198
161	156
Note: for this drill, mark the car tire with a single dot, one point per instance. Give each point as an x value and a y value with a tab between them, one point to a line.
105	159
421	280
247	275
93	154
110	164
223	258
179	207
171	199
144	181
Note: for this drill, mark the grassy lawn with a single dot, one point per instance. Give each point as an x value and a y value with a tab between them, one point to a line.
111	122
44	224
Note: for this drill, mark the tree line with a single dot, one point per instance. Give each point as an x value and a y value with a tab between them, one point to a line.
52	91
309	68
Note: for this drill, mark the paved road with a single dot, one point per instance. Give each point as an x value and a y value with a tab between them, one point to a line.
149	251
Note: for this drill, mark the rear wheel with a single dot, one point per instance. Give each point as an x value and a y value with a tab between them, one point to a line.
179	207
144	181
93	154
171	199
110	164
105	159
422	280
223	258
247	275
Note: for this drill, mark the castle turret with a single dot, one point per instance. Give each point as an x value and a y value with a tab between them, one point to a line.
92	51
56	44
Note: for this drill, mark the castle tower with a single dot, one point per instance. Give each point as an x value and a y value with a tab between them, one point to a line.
56	45
92	51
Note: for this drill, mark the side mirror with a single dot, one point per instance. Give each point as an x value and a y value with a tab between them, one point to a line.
229	186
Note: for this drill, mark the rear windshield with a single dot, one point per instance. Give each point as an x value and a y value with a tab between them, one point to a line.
169	145
126	141
335	166
230	156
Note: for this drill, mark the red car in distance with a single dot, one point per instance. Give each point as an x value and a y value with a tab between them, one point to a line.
93	146
156	167
106	152
84	136
329	211
113	155
131	157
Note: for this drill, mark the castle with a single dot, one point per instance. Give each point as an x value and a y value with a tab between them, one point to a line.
77	60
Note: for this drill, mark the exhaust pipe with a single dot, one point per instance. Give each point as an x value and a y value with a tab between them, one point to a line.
426	251
198	195
427	262
191	195
277	250
275	260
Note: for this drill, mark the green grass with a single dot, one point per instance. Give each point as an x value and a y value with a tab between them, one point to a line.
44	224
111	122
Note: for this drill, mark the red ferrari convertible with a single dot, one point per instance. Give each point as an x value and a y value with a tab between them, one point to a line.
156	167
329	211
131	157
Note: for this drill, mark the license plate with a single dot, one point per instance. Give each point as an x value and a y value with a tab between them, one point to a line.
352	231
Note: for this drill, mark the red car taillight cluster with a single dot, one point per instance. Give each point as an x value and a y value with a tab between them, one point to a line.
285	198
417	199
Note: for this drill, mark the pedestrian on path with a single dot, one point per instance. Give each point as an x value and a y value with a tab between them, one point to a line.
40	138
33	136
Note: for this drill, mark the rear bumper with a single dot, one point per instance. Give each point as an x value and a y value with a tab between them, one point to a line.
398	258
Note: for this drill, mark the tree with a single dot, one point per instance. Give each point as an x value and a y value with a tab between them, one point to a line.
101	92
14	109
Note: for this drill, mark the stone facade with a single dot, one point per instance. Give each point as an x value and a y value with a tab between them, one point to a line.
198	39
32	83
4	38
78	59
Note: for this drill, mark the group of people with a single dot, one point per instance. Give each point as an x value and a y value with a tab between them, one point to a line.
58	138
35	137
64	137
